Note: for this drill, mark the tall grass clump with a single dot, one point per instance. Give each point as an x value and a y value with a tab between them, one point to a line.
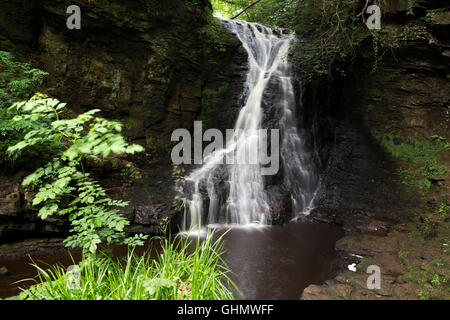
182	270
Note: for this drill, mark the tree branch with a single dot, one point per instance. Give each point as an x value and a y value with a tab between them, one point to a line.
245	9
364	10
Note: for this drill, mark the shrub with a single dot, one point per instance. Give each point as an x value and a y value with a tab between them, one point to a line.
64	187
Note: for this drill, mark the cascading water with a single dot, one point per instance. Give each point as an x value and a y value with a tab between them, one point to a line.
224	193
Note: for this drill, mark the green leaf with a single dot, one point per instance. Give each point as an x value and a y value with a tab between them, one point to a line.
33	178
92	112
153	285
48	210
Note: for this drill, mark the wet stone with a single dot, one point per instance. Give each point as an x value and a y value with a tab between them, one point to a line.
343	290
314	292
143	215
4	271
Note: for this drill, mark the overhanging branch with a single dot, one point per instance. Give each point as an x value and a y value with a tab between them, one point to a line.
246	8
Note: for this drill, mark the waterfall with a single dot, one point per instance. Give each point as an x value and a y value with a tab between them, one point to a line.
232	194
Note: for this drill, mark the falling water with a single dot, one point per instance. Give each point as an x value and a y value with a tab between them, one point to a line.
237	193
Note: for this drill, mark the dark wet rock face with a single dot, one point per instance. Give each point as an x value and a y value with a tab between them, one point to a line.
356	176
405	95
146	215
280	204
17	218
150	64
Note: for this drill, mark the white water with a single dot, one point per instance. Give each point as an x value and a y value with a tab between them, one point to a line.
246	201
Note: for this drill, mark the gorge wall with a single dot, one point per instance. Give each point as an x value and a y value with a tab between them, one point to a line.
403	92
154	65
147	63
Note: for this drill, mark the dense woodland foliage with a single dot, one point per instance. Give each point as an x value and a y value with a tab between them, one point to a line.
331	29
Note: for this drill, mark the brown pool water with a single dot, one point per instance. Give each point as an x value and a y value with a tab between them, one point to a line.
268	263
280	262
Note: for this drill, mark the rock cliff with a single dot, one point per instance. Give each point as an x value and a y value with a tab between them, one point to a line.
398	86
154	65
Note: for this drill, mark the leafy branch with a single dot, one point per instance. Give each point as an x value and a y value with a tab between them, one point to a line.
92	214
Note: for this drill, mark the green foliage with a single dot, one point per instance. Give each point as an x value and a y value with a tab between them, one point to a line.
428	228
64	188
214	35
331	29
411	179
431	170
280	13
444	209
432	276
417	150
17	81
409	9
131	173
431	220
177	273
226	9
419	159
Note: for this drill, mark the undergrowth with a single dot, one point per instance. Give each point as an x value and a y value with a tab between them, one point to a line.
18	80
183	270
418	159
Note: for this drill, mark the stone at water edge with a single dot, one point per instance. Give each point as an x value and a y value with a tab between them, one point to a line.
314	292
4	271
329	291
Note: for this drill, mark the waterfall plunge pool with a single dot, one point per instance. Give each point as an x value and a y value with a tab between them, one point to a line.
279	262
267	263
